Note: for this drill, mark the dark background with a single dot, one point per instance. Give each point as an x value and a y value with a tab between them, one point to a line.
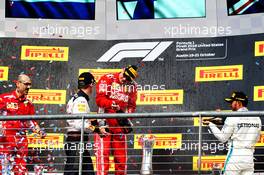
174	74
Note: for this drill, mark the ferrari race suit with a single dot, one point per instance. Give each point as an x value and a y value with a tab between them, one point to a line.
109	91
242	133
14	144
78	104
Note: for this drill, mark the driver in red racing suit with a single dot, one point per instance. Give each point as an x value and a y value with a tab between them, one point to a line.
115	93
13	140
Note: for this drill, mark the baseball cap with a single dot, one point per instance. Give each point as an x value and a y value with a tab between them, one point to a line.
130	72
85	79
238	96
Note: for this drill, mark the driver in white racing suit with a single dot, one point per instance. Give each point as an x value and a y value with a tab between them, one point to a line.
242	133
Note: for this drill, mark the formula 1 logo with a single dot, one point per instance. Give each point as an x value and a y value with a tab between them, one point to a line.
147	50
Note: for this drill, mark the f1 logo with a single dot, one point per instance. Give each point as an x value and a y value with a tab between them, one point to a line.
148	50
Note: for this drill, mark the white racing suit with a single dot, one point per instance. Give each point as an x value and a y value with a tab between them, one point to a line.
242	133
78	104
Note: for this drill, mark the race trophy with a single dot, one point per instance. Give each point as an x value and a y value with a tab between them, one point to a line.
147	146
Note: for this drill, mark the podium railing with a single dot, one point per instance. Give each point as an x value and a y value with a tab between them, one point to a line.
188	126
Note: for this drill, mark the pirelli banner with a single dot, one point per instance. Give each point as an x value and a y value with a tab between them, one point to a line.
97	73
162	141
44	53
259	93
219	73
207	162
261	140
259	48
111	163
42	96
3	73
50	142
174	75
160	97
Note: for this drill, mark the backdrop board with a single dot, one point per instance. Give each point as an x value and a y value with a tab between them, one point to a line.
192	74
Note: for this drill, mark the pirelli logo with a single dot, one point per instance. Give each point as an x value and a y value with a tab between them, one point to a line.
51	141
261	139
162	141
160	97
3	73
98	73
207	162
45	53
111	163
42	96
219	73
259	48
259	93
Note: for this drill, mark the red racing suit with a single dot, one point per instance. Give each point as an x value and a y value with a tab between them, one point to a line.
13	142
110	90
